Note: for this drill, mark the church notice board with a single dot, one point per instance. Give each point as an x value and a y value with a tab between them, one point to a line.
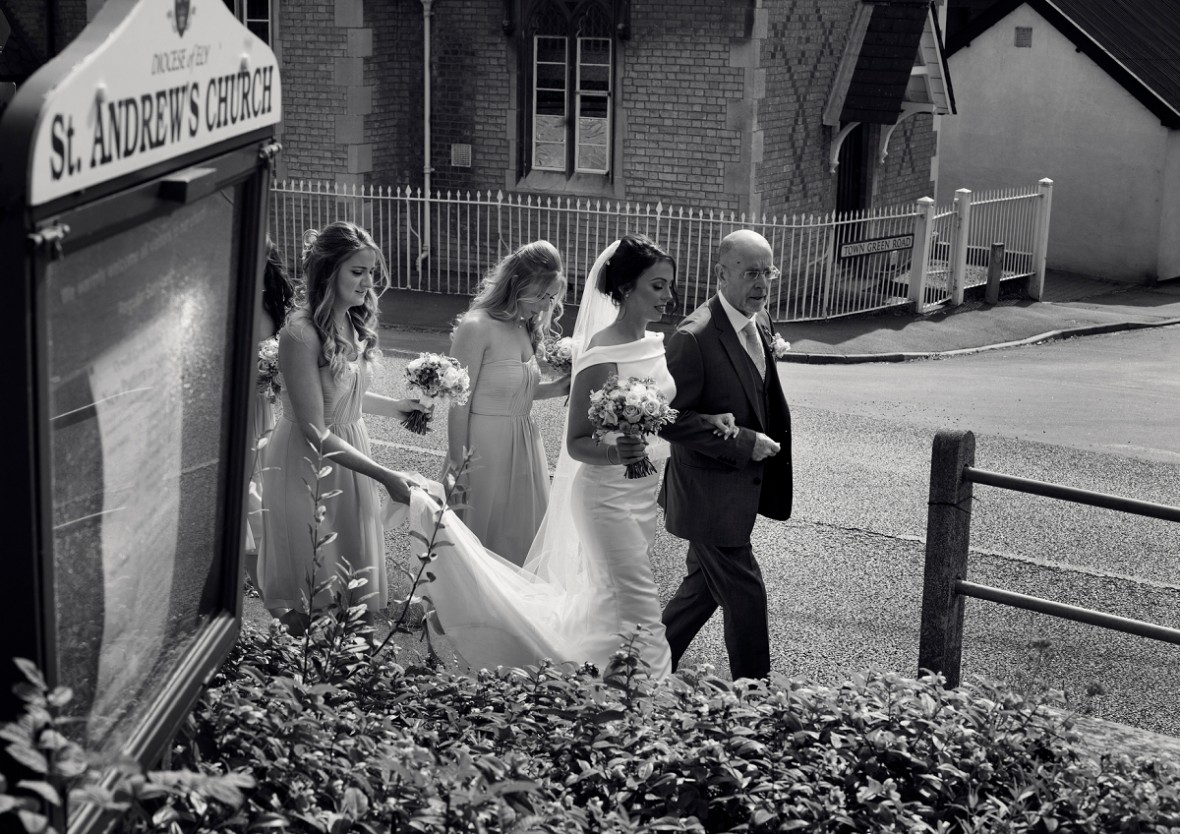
134	174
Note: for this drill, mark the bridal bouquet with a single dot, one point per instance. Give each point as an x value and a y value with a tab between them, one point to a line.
436	378
268	368
558	354
634	407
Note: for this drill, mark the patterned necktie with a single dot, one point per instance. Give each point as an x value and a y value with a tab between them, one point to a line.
753	347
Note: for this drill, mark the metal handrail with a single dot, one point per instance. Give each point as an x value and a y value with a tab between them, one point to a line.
948	537
1068	612
1071	494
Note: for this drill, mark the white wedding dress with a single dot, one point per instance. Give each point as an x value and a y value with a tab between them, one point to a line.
587	583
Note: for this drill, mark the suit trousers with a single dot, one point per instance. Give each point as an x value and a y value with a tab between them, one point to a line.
728	577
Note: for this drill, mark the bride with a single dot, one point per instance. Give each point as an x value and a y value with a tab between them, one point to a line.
587	582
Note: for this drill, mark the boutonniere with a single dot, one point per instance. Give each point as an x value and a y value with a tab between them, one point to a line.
780	346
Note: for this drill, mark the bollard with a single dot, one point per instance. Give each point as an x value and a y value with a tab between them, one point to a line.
948	535
995	271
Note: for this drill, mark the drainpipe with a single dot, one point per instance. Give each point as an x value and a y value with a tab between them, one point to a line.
424	251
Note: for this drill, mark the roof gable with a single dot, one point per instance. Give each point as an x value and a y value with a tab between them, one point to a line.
1136	42
893	64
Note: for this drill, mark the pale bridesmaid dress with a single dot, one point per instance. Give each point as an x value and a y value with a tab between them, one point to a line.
508	480
287	555
264	423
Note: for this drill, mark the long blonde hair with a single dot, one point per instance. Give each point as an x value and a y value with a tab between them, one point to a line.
524	274
323	253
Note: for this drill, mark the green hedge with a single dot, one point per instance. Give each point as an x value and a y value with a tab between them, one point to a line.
318	735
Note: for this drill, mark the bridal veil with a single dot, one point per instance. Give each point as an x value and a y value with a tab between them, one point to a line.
498	614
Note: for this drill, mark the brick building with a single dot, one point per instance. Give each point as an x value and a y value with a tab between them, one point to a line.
741	105
737	105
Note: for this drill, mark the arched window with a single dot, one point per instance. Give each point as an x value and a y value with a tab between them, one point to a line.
571	54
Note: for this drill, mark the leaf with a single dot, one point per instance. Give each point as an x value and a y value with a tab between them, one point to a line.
264	821
28	757
33	823
164	816
224	792
325	540
512	786
30	694
43	789
31	672
355	803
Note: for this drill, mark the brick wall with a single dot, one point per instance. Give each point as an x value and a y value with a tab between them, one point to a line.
718	104
311	42
685	107
905	175
471	96
29	21
394	72
680	111
802	50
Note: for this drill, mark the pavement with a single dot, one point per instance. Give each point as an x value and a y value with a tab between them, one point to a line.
1071	306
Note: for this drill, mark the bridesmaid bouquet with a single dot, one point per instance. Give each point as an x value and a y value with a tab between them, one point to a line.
268	369
559	354
436	378
634	407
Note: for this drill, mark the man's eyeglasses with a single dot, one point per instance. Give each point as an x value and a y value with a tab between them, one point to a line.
771	273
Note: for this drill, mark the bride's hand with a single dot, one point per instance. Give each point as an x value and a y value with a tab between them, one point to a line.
630	449
724	425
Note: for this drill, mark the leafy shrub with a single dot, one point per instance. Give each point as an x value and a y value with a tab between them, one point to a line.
384	748
327	732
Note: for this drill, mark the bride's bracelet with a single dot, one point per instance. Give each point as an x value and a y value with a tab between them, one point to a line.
616	450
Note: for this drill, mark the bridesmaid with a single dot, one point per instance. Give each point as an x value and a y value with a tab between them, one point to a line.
326	352
278	297
507	484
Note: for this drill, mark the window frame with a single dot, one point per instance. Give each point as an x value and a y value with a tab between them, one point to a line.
241	8
530	38
580	94
537	88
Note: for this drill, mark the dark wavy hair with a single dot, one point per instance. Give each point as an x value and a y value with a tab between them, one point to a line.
525	274
634	255
278	290
323	252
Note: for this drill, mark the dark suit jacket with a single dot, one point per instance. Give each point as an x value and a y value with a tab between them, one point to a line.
712	490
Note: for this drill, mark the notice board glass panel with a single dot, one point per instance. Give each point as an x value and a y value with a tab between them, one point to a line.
137	331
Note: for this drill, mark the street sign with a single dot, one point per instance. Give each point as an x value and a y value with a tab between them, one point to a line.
876	246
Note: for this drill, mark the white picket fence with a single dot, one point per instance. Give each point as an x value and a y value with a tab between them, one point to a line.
832	265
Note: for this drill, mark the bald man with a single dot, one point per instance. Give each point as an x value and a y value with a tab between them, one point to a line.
715	487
